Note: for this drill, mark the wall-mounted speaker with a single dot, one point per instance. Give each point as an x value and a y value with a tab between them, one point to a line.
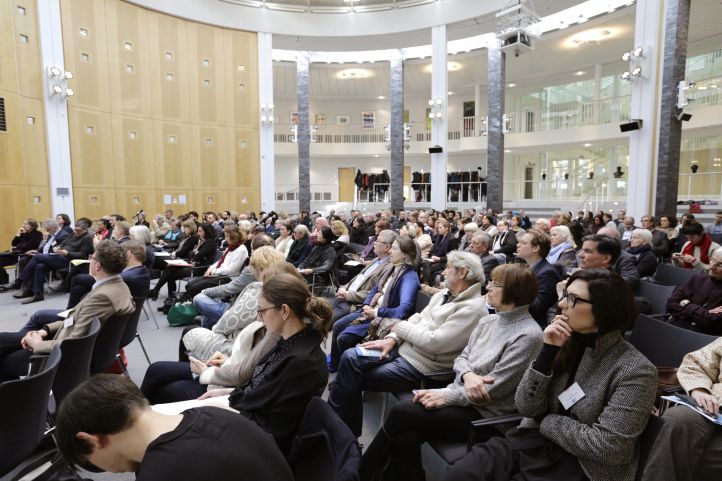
436	149
634	124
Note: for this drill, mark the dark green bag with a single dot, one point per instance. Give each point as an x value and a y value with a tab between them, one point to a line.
182	314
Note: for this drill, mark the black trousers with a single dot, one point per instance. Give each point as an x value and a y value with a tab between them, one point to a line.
397	446
169	276
197	284
7	259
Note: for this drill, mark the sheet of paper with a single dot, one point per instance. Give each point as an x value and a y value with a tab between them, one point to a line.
179	407
352	263
178	263
79	262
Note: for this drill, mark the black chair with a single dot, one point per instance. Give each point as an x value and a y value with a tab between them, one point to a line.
24	406
131	332
669	275
357	248
664	344
656	294
422	300
108	343
199	270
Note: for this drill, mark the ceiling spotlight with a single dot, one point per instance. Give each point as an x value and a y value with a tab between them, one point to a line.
69	75
512	85
438	101
625	56
637	72
55	71
438	115
57	89
69	92
263	118
579	73
587	145
431	102
637	52
381	97
625	75
431	115
263	106
270	106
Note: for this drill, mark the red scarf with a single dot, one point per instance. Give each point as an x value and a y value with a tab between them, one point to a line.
230	248
703	250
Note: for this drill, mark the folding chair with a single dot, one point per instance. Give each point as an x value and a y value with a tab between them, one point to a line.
656	294
669	275
131	332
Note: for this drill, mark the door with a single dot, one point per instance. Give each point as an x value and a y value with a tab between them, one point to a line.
346	184
528	183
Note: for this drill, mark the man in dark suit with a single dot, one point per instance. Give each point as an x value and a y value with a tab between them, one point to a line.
45	329
533	247
55	235
504	241
77	246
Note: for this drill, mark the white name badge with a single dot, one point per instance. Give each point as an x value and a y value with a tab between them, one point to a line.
571	396
68	321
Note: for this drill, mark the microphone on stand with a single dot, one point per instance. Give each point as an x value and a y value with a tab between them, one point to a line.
141	211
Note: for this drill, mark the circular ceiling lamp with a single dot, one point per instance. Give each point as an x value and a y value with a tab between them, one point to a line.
592	36
451	67
354	73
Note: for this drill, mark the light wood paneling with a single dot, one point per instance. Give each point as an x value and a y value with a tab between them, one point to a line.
128	58
243	153
8	73
210	167
211	200
94	203
14	201
169	67
175	204
131	201
133	151
11	155
205	49
37	203
33	142
172	154
246	200
29	66
241	53
91	147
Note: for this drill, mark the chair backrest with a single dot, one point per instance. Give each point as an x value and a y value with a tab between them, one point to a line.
357	248
131	328
664	344
669	275
656	294
422	300
108	343
24	408
75	366
717	238
324	448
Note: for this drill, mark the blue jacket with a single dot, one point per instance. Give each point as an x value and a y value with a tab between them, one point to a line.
138	281
401	297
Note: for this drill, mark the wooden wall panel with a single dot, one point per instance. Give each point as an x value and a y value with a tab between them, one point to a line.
11	154
133	151
37	203
29	66
245	200
94	203
214	200
169	67
8	73
91	147
172	154
35	155
175	196
86	55
205	48
14	201
128	58
210	167
241	54
243	150
131	201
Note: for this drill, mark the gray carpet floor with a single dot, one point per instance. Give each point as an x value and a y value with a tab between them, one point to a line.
162	345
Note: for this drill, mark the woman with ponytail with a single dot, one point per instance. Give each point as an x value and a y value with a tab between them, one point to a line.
294	370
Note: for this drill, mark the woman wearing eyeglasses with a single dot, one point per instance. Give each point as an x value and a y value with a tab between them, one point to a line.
586	398
488	371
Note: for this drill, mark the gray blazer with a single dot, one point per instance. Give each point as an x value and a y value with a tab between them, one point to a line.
601	429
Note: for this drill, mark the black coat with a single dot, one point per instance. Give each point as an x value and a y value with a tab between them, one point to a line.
298	251
27	241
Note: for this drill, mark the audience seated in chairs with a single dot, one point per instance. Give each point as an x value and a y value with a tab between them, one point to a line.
352	295
28	238
424	344
533	248
689	446
230	339
143	235
213	302
564	437
322	258
504	244
198	247
135	275
602	251
359	234
121	231
293	370
392	299
174	236
229	265
481	245
488	370
563	252
44	329
443	243
54	236
300	246
64	223
697	250
107	424
77	246
340	230
422	239
368	252
661	244
697	304
285	239
640	246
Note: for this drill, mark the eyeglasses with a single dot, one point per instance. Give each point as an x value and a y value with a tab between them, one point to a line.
494	285
572	299
261	311
714	262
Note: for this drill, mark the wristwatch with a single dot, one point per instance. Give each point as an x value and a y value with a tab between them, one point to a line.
684	302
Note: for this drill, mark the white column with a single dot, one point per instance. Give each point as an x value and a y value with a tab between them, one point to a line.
265	99
439	125
597	91
477	100
645	106
56	109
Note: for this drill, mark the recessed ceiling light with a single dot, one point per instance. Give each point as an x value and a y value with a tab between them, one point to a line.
381	97
579	73
451	93
451	66
507	151
593	35
512	85
587	145
354	73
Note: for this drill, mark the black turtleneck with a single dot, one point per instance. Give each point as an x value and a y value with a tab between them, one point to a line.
545	359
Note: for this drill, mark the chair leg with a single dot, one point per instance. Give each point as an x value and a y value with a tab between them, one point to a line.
122	366
150	315
137	335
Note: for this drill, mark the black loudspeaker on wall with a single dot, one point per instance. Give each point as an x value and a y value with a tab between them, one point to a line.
634	124
435	149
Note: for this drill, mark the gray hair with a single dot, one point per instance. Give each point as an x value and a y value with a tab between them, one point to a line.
50	223
563	231
471	227
609	232
302	229
483	238
141	233
388	236
643	234
470	262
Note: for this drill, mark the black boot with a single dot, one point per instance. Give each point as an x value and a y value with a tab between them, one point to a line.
23	293
376	457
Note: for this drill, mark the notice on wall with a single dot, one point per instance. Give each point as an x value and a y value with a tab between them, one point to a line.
182	200
167	199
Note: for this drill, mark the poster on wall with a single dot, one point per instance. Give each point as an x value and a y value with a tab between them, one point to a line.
368	119
320	120
293	119
343	119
